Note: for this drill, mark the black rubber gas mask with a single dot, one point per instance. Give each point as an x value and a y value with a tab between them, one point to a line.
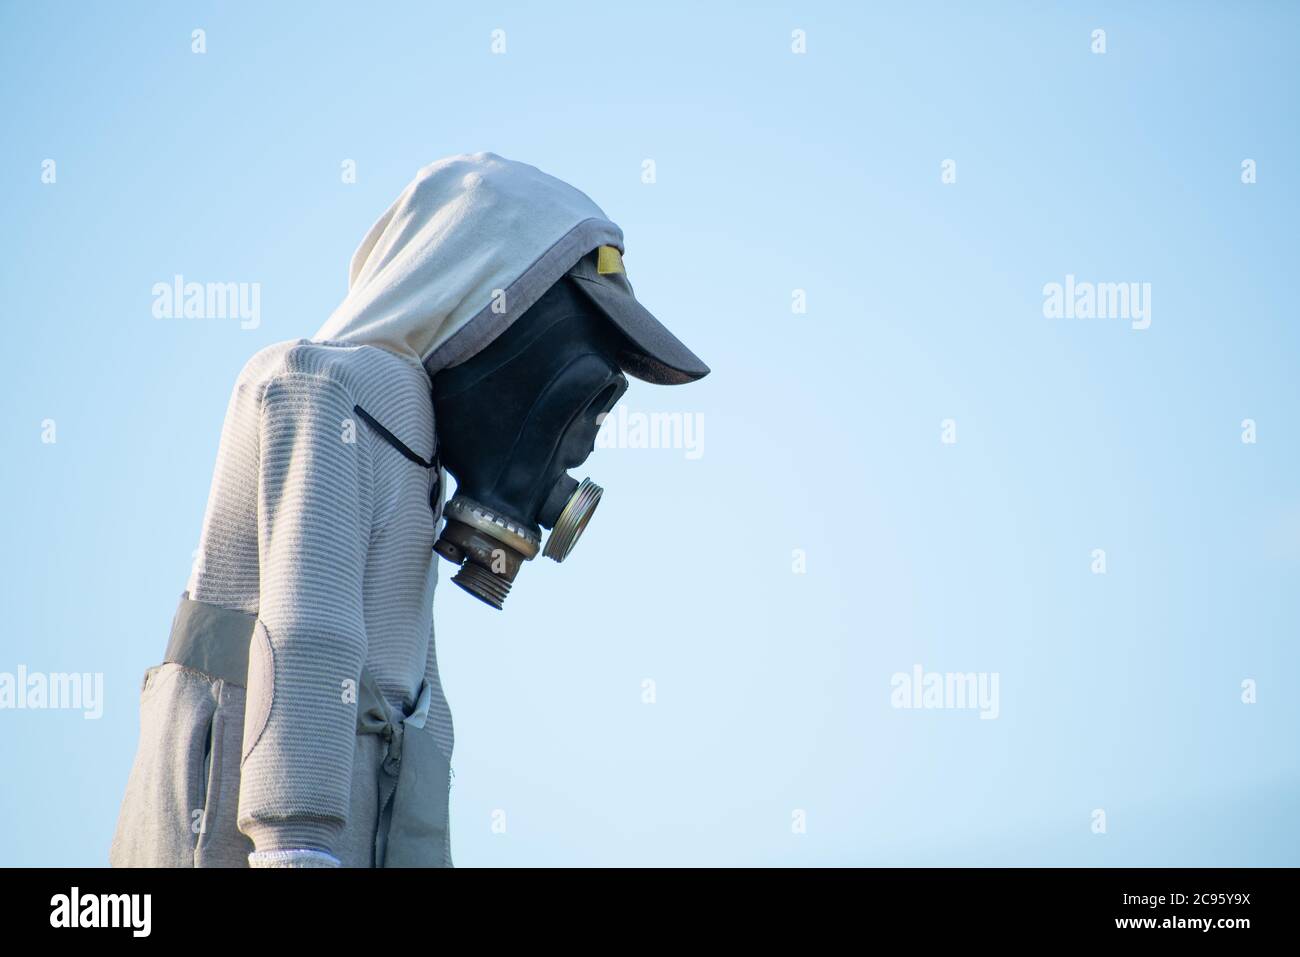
511	421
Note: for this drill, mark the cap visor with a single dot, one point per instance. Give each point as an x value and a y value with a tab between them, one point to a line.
655	354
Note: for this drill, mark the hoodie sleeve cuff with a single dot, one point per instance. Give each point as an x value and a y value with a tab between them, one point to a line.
293	857
316	835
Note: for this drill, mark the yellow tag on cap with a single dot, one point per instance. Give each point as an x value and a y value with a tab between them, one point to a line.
608	260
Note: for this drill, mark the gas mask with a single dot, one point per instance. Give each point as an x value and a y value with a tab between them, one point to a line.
512	421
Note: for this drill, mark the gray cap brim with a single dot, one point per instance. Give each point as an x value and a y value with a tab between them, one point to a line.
655	354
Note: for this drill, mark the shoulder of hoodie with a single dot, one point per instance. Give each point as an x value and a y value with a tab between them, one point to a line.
395	390
368	375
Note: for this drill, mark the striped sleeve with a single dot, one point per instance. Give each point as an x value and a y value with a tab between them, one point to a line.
309	644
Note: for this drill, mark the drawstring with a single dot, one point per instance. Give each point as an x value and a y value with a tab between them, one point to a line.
394	441
402	447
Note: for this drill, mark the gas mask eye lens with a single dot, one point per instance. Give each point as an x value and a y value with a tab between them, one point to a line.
573	520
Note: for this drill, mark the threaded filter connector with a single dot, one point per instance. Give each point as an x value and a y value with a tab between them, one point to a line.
482	584
573	519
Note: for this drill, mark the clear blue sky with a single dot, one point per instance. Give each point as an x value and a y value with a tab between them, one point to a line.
775	172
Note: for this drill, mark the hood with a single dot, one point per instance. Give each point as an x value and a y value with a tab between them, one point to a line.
468	246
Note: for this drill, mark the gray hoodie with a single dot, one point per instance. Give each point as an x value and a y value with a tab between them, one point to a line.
323	531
